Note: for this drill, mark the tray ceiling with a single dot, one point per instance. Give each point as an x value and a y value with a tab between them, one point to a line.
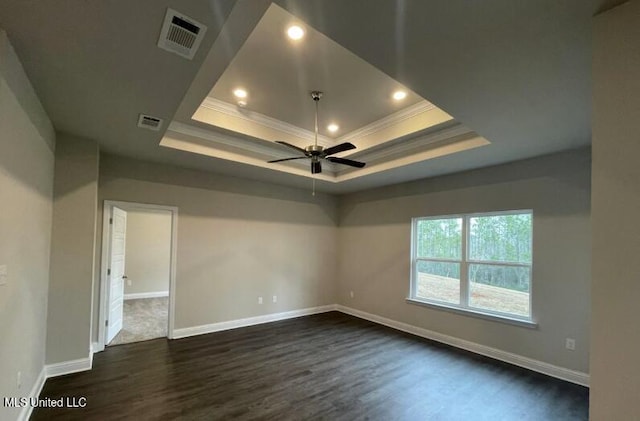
276	74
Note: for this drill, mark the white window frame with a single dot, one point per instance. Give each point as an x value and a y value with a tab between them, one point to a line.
464	262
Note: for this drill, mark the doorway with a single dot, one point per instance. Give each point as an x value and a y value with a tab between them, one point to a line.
138	273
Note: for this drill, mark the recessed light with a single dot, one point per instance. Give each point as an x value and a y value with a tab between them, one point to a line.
333	127
399	95
295	32
240	93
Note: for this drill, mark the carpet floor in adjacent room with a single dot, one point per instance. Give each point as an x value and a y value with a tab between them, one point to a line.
143	319
328	366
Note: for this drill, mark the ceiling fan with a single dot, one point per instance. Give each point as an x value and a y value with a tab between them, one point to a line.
317	153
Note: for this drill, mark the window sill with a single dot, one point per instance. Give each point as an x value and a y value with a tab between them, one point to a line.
475	313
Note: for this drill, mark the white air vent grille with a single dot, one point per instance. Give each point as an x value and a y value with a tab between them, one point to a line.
180	34
149	122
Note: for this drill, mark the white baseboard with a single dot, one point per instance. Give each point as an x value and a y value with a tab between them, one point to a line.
515	359
84	364
249	321
54	370
68	367
138	295
531	364
25	413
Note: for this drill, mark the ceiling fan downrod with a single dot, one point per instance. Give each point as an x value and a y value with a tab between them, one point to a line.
316	95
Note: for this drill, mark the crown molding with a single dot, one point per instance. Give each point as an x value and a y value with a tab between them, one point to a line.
268	150
462	143
396	153
430	142
263	120
388	121
271	150
410	146
170	140
222	139
407	146
309	136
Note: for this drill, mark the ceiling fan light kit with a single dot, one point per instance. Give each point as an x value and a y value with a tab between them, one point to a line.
316	153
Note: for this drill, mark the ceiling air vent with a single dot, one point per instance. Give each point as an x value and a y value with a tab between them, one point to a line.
180	34
149	122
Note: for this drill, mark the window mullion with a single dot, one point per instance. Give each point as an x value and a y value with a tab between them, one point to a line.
464	271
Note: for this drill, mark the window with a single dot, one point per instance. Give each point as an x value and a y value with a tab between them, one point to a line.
477	262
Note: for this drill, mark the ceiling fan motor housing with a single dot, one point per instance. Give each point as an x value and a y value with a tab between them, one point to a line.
314	150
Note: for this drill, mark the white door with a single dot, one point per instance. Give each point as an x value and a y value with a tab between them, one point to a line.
116	272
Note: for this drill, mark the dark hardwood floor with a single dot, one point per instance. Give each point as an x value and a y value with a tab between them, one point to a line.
329	366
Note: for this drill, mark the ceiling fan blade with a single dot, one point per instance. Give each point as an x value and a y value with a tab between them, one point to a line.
349	162
302	151
338	148
286	159
316	167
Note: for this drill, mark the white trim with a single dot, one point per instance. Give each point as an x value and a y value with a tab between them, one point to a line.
413	143
173	272
106	240
472	312
25	413
237	142
69	367
249	321
515	359
54	370
139	295
497	354
465	262
84	364
263	120
102	312
388	121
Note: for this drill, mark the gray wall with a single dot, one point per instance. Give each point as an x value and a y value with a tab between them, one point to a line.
72	249
375	234
237	239
615	353
148	251
26	187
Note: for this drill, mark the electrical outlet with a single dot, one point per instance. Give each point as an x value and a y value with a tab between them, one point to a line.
351	294
259	300
19	379
570	344
275	298
3	274
129	282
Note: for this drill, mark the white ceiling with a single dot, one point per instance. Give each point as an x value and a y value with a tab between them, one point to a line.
517	73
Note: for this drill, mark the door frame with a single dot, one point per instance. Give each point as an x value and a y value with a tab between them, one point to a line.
103	308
